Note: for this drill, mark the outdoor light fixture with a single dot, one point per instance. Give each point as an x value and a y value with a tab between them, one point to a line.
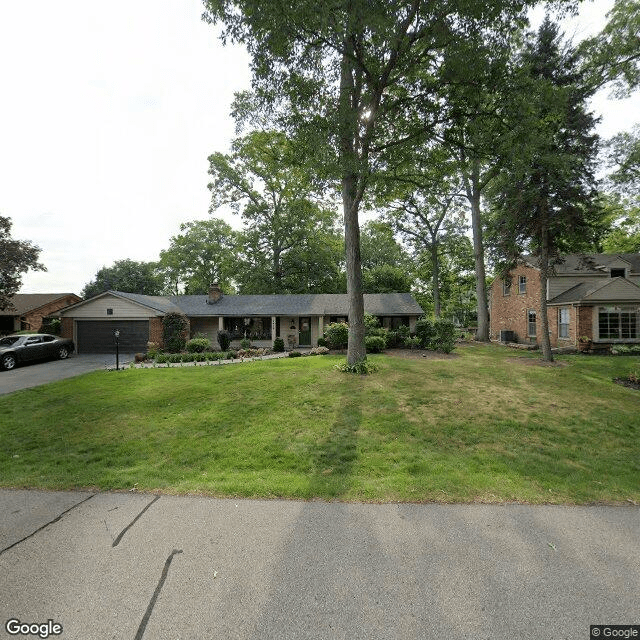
116	333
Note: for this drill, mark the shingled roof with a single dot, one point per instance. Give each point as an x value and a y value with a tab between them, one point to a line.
23	303
319	304
589	263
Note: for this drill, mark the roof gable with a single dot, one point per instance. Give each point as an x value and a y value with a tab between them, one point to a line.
22	303
616	289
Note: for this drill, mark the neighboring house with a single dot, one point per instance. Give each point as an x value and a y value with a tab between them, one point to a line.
27	310
298	319
595	296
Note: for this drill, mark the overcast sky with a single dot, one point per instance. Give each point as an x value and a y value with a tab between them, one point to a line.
108	112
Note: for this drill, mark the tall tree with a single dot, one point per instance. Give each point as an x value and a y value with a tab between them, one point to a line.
329	67
386	265
16	258
425	220
264	182
127	276
204	252
613	55
545	197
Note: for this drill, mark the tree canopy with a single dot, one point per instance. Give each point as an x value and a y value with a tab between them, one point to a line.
16	258
127	276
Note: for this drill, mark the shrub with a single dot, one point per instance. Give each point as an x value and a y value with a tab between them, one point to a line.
245	343
198	345
231	355
175	329
322	342
445	336
392	339
436	335
337	335
152	350
374	344
295	354
412	343
371	324
363	368
403	332
174	357
224	340
319	351
278	345
425	332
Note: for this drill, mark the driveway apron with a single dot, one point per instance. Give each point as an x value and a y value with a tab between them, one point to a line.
33	375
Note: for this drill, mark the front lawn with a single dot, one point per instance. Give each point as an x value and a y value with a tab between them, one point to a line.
482	426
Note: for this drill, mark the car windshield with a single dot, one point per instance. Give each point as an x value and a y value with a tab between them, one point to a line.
8	341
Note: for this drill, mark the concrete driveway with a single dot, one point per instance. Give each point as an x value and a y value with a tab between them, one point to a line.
137	566
33	375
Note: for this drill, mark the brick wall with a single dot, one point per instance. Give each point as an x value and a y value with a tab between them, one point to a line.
155	331
33	321
585	321
510	312
66	328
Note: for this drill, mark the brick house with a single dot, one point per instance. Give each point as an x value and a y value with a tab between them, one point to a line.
27	310
298	319
596	296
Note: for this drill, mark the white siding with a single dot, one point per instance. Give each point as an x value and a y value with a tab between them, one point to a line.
97	309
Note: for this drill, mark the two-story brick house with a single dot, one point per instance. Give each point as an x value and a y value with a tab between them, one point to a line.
595	296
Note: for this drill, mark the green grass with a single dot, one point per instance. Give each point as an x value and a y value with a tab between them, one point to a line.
478	427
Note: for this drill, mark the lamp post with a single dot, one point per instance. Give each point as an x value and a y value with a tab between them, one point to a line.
116	333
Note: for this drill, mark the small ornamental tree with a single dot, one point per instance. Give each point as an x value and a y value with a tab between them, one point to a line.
175	331
337	335
224	339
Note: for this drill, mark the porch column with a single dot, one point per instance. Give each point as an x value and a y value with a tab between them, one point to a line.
320	327
220	323
273	329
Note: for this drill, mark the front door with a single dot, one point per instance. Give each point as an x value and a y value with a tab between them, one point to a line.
304	339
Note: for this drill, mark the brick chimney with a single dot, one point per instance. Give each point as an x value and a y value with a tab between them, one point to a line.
215	293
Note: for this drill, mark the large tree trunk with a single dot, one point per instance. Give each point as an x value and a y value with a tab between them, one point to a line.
473	193
545	341
356	351
435	265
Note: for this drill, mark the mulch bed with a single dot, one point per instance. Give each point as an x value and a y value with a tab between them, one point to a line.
627	383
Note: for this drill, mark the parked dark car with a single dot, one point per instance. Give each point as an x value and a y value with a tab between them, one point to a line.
33	346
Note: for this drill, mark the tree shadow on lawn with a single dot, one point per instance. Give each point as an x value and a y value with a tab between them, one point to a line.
336	455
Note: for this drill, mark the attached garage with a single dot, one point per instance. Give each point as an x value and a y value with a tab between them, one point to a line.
98	336
93	323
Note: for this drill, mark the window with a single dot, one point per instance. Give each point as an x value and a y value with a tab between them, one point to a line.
252	328
618	273
506	287
48	338
618	323
109	311
531	323
563	322
522	284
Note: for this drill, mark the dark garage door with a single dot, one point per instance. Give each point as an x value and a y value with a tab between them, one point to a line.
96	336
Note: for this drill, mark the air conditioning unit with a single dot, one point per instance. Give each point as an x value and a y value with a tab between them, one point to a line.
507	336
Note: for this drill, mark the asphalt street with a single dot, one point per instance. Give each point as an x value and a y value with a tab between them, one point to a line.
133	566
33	375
